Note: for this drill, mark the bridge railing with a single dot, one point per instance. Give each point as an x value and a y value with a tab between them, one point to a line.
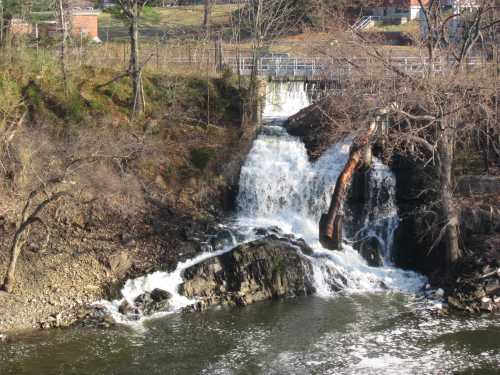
329	67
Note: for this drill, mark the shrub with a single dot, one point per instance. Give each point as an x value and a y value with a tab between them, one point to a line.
200	157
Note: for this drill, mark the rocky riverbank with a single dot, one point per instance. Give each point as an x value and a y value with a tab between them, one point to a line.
268	268
140	194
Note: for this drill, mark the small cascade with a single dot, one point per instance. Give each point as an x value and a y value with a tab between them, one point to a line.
381	215
284	99
281	188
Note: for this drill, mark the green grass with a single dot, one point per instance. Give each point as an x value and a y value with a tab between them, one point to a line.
409	27
166	19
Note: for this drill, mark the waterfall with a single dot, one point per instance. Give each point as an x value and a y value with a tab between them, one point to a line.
280	187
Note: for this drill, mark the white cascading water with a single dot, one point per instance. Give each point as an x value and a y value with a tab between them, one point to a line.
280	187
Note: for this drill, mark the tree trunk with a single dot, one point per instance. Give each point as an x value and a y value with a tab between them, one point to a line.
135	70
451	238
15	251
206	15
330	225
63	46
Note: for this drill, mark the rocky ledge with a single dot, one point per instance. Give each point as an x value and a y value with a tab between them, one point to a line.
269	268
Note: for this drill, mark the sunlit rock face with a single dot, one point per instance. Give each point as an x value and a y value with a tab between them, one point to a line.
255	271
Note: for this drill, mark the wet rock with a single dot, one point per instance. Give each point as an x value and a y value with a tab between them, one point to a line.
492	287
222	239
452	301
268	231
371	251
96	316
126	308
486	304
255	271
156	301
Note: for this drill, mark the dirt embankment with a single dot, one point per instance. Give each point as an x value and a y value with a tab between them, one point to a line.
139	193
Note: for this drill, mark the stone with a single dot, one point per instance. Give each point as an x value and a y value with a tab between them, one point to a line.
3	338
150	303
33	247
439	293
492	287
454	302
259	270
126	308
371	251
159	295
127	240
222	239
486	304
119	264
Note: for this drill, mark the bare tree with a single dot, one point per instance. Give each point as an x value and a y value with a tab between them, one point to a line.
29	216
132	10
432	112
61	10
207	12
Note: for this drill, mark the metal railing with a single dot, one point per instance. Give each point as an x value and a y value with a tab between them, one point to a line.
364	22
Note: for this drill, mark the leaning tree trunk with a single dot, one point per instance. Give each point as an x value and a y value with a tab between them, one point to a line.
330	224
135	69
451	237
15	251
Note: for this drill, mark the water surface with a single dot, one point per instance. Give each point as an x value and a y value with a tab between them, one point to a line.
358	334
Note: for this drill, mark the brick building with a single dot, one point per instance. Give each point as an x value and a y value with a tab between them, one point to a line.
85	23
18	26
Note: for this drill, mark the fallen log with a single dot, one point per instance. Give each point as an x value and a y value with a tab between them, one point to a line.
330	224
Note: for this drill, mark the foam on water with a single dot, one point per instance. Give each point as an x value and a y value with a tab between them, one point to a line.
280	187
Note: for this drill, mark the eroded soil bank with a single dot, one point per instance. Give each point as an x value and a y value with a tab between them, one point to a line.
140	192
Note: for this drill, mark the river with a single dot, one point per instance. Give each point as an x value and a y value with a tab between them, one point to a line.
379	323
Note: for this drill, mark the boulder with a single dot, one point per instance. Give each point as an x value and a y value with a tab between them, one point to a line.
222	239
126	308
119	264
150	303
371	251
264	269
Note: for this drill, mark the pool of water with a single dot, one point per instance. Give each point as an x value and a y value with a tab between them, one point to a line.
377	333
